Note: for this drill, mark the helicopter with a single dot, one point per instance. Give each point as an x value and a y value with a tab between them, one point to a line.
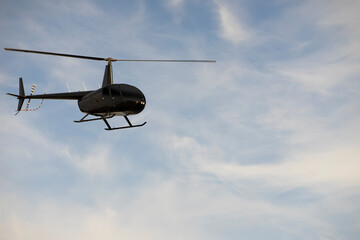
106	102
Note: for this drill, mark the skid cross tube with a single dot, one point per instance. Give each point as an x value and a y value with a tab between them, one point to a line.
92	119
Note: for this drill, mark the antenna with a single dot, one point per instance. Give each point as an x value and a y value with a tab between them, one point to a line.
84	86
68	86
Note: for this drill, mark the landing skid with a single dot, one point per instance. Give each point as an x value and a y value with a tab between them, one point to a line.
107	123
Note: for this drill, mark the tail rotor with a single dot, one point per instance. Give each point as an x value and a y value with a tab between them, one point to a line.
31	93
22	97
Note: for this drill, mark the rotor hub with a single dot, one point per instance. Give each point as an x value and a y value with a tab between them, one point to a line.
110	60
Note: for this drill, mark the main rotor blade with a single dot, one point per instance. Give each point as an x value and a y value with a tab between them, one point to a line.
155	60
56	54
103	59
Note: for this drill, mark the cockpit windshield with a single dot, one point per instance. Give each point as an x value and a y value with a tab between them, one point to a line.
115	90
131	92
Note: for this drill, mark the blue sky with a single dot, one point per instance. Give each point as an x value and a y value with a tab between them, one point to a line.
264	144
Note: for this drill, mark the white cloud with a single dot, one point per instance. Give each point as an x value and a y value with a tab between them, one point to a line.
177	207
176	7
321	77
24	142
232	29
332	167
82	7
94	162
322	69
175	3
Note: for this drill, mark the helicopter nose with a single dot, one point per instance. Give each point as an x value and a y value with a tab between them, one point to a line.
140	105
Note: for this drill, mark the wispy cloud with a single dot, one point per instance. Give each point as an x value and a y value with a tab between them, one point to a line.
232	29
94	162
83	8
323	69
175	3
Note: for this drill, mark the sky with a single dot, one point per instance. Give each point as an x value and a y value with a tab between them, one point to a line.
263	144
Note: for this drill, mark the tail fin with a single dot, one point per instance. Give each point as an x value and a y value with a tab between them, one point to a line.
21	95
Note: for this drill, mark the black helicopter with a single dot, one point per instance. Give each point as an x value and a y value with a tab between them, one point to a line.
108	101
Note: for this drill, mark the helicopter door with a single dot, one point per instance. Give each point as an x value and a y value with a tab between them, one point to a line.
106	97
115	91
105	93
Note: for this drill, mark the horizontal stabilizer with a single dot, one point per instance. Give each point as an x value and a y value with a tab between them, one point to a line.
14	95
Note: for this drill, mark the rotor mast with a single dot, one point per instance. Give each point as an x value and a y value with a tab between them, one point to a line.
108	74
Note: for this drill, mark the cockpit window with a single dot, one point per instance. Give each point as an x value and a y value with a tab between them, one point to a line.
115	90
105	91
130	92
